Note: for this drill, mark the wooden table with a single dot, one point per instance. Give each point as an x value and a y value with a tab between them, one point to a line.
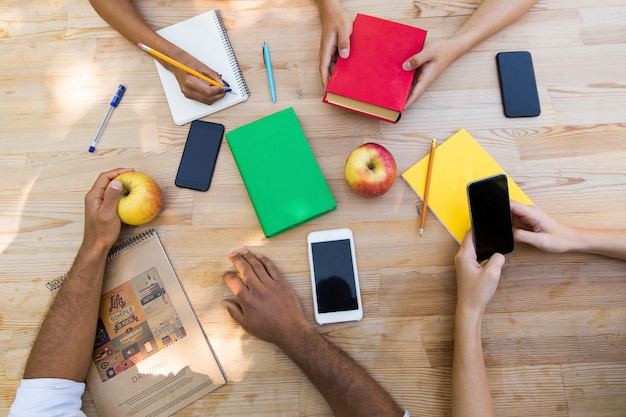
554	332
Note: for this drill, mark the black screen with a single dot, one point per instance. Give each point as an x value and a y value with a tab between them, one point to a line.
334	276
491	216
200	154
517	84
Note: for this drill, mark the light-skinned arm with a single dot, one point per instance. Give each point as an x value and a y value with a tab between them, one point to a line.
488	19
268	309
534	227
64	345
124	17
335	40
476	285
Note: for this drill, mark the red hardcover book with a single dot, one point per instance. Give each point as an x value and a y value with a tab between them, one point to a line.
371	80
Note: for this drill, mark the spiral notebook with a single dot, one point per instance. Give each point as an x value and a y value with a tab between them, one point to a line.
150	354
204	37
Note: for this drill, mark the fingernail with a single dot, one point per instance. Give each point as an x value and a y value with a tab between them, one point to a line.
244	251
232	254
407	66
344	52
116	185
259	256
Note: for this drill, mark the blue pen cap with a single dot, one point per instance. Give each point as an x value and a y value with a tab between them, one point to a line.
118	95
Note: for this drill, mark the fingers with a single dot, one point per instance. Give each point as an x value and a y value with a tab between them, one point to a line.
98	189
234	282
234	310
112	196
519	209
413	63
343	42
250	268
103	180
495	263
529	237
196	89
327	50
467	248
269	266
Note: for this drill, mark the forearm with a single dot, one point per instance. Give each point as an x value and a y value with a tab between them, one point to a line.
64	345
470	388
488	19
347	388
124	18
326	6
605	242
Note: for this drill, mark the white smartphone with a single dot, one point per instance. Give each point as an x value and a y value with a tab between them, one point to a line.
334	276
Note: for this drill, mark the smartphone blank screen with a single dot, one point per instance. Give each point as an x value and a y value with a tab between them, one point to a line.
490	211
199	156
334	276
517	84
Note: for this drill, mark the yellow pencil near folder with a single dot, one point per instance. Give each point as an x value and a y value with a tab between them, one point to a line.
183	67
429	173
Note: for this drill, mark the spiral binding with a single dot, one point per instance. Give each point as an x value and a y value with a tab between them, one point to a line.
232	59
56	283
129	243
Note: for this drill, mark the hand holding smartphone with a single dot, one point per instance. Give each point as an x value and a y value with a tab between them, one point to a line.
490	213
334	276
199	156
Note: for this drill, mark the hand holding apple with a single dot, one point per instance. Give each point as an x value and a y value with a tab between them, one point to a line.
141	198
370	170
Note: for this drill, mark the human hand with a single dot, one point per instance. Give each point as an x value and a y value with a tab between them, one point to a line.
476	283
335	40
430	62
268	308
534	227
102	224
193	87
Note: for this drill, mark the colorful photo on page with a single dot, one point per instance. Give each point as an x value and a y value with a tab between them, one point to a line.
136	320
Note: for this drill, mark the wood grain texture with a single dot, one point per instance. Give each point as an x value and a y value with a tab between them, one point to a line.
554	332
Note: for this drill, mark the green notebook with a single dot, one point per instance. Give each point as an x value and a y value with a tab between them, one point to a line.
282	176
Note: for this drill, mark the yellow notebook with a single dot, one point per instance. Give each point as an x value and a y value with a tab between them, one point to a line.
458	161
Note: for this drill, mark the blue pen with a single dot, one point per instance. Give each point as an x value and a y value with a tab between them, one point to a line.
114	102
268	67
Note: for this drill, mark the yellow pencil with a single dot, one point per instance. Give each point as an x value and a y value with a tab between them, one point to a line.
182	66
428	175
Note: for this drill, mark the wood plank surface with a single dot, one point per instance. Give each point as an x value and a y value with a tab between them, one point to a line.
554	332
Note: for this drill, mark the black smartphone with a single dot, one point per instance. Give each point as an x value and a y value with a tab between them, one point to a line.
490	213
517	84
199	156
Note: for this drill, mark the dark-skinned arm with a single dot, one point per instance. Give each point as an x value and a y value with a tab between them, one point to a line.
269	310
64	345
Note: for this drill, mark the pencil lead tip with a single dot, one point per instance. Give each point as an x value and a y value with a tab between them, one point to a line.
421	232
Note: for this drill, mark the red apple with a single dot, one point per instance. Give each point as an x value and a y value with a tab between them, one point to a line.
141	198
370	170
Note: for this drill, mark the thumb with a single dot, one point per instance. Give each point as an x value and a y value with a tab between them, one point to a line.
343	44
112	195
412	63
234	310
496	262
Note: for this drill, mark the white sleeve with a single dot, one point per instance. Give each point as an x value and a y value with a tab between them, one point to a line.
47	397
406	414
